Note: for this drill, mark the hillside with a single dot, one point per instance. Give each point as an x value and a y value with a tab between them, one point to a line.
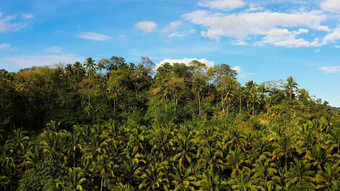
112	125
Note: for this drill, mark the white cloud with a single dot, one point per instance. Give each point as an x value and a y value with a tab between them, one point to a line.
146	26
331	69
7	24
332	37
182	33
93	36
54	49
6	46
331	6
172	26
253	8
27	16
238	69
285	38
185	61
226	5
18	62
239	43
245	25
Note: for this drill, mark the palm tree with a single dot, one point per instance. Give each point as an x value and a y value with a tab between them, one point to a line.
328	178
240	95
183	178
90	66
73	140
334	138
103	64
186	149
102	165
264	171
300	176
210	181
74	179
241	181
69	71
261	146
18	139
132	167
290	85
235	139
284	147
154	177
198	86
318	157
160	139
235	160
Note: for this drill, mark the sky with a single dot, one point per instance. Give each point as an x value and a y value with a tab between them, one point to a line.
263	40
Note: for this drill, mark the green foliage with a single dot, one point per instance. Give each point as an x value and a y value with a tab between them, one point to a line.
117	126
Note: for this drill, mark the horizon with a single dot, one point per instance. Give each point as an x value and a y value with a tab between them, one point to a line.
263	41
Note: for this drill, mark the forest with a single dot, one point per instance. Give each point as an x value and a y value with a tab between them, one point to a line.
112	125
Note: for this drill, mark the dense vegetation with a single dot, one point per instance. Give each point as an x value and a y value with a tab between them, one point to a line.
109	125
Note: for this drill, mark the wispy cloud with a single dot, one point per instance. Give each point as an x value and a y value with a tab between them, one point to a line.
172	26
24	61
6	46
54	49
331	69
185	61
253	8
8	23
222	4
146	26
27	16
93	36
182	33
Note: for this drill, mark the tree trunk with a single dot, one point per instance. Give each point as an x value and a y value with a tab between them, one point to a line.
165	105
286	163
74	158
156	114
101	184
240	107
199	103
222	103
114	105
227	107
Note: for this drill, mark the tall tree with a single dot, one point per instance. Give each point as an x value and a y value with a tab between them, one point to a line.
290	85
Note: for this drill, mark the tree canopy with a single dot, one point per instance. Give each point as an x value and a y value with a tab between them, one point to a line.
112	125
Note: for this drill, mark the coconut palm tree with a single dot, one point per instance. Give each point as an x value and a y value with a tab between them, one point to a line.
90	66
264	170
74	179
209	180
290	85
183	178
185	148
241	181
328	178
284	148
300	176
154	177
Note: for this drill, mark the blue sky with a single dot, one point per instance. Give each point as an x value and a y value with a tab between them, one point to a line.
264	40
